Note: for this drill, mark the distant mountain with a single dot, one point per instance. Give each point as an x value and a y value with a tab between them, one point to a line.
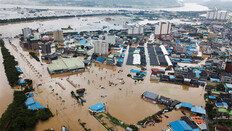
219	4
114	3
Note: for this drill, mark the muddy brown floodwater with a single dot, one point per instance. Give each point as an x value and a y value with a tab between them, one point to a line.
6	93
125	104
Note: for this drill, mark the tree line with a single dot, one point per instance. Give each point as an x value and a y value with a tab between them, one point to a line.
9	63
18	117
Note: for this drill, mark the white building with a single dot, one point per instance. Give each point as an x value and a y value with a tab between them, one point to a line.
163	28
110	39
27	33
58	35
100	47
37	36
135	29
217	15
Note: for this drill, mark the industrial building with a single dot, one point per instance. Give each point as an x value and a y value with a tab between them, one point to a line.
162	28
65	65
58	35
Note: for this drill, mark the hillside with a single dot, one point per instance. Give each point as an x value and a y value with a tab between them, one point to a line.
114	3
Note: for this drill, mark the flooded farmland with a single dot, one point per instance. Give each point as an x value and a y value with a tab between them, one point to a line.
123	101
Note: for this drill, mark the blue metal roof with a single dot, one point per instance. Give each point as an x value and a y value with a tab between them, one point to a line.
180	126
150	95
34	106
83	42
212	97
120	59
214	80
21	82
199	110
138	71
172	77
187	105
30	94
19	70
29	101
97	107
100	59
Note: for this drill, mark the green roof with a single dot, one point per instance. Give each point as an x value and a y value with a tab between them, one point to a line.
223	110
65	65
215	92
230	112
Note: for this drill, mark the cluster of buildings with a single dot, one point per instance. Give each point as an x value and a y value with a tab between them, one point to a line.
217	15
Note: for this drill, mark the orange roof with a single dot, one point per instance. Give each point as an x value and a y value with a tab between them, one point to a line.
198	120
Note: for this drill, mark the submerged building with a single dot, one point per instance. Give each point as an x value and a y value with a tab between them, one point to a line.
66	65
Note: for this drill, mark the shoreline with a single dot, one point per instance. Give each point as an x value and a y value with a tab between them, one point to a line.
19	20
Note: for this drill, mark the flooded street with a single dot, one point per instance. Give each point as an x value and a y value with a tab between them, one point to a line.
123	101
6	93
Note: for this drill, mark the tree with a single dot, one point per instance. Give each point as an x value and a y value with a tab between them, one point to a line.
44	114
82	46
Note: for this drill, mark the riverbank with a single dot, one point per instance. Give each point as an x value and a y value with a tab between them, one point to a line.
18	20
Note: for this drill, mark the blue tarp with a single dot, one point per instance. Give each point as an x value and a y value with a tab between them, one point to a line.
180	126
138	71
214	80
83	42
219	104
99	107
201	68
137	78
21	82
120	59
201	81
19	70
199	110
172	77
186	105
30	94
122	55
197	76
29	101
100	59
208	64
212	97
185	61
34	106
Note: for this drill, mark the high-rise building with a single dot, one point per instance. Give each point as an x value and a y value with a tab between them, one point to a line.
134	29
110	39
58	35
27	33
46	48
100	47
217	15
163	28
228	68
